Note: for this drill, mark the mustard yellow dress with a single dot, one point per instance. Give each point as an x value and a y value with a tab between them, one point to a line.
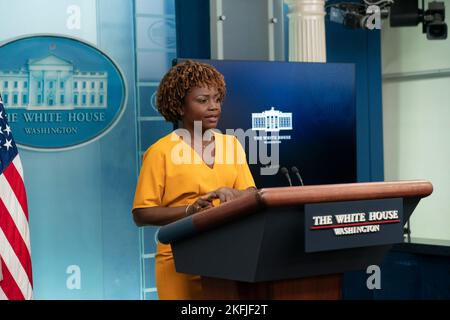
173	174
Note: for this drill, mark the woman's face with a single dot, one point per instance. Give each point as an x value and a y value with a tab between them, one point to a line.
201	104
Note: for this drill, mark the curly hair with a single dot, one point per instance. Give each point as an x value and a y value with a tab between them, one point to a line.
179	80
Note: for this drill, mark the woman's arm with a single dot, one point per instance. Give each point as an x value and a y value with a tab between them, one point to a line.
226	194
159	216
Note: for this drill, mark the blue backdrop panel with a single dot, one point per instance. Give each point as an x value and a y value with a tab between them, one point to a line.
321	98
84	244
363	48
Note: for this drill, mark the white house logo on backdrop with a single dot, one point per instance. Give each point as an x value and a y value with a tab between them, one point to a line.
153	102
162	33
59	92
52	83
272	121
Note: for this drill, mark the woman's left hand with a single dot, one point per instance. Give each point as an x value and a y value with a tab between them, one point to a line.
226	194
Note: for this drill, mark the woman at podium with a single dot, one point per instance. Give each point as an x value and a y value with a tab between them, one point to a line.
190	169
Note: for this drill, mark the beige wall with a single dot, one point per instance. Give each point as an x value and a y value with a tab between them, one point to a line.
416	121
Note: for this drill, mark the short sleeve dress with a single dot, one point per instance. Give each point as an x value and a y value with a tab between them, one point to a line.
173	174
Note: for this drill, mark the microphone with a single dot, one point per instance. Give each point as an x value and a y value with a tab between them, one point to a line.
297	173
284	171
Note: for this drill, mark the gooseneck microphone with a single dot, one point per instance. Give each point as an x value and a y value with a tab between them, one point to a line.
284	171
297	173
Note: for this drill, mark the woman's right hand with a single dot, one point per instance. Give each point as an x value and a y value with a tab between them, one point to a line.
202	203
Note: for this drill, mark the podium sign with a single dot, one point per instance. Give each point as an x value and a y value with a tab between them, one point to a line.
352	224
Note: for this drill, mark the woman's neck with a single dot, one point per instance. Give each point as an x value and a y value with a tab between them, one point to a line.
197	133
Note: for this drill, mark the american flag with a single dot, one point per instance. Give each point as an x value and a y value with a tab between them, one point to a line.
16	281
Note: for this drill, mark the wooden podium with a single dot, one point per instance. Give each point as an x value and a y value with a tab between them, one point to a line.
270	245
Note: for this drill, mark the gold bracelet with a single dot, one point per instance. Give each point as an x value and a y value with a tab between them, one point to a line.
186	212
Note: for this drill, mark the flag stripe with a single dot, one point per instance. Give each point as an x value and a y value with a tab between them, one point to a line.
18	164
9	286
12	234
2	294
14	268
17	186
15	210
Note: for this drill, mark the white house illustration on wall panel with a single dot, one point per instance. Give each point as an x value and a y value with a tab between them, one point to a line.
272	120
52	83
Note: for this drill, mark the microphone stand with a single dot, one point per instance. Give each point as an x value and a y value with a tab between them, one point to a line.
297	173
284	171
